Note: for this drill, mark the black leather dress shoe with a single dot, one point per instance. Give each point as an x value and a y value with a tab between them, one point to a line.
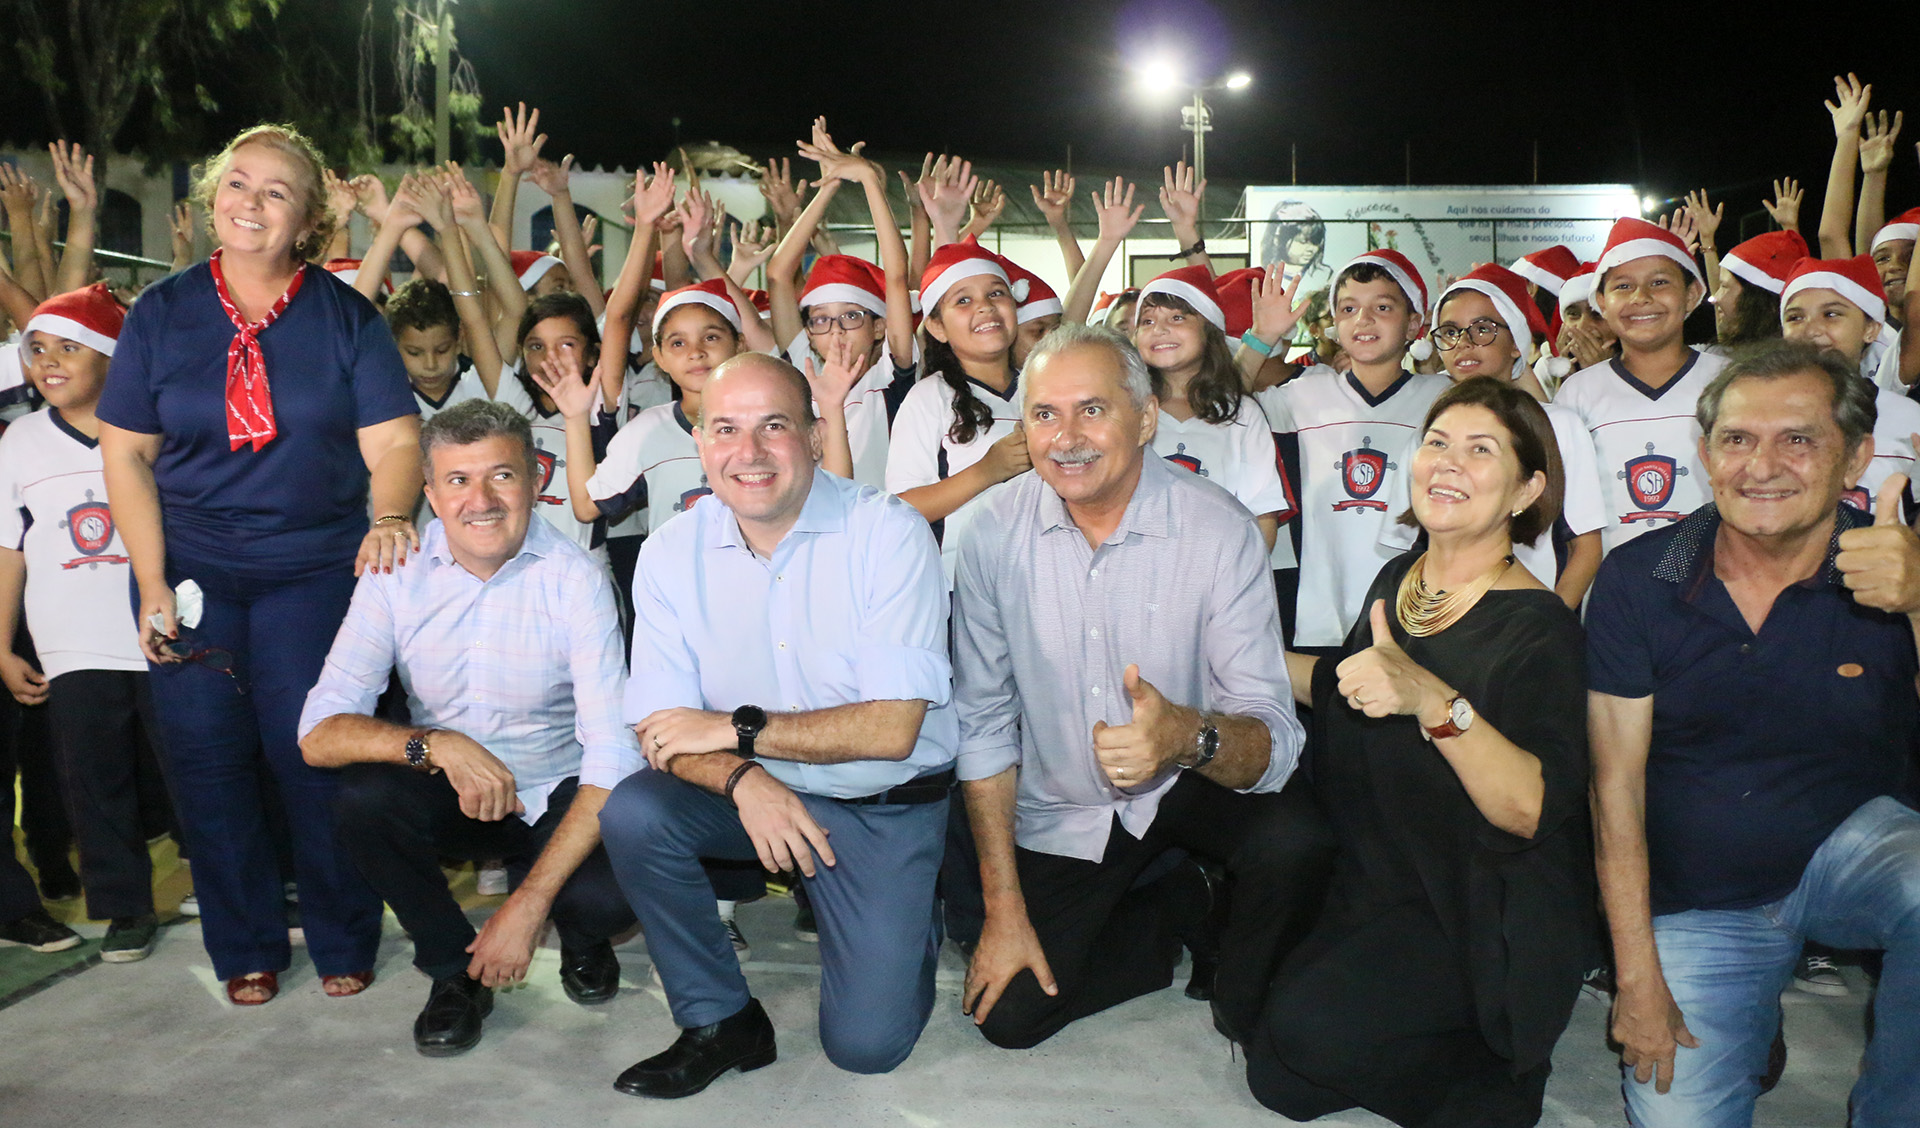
591	974
450	1022
703	1053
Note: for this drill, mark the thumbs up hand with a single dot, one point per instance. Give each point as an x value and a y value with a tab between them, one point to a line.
1881	563
1382	680
1140	751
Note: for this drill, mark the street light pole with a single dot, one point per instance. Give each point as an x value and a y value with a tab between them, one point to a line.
1197	119
442	49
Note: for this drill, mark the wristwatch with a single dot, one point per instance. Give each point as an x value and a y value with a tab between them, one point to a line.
748	720
1206	745
1459	719
419	756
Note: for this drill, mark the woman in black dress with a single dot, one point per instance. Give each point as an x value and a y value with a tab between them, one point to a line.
1450	754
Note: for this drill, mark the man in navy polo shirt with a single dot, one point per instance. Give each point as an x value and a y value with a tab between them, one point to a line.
1753	717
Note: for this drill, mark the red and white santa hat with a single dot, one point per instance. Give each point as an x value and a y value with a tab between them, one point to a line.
1633	238
1548	268
762	301
348	270
845	278
1033	298
91	316
1105	301
1765	260
1855	279
1578	288
711	293
1235	288
531	266
1401	268
1193	285
1906	225
955	263
1507	290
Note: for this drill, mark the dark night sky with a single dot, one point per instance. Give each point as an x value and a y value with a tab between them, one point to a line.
1645	94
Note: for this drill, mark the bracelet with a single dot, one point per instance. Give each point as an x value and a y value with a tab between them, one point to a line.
464	293
1256	344
1199	248
734	779
390	517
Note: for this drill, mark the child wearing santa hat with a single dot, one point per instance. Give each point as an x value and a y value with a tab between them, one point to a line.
1207	424
957	436
1898	364
1638	406
1346	436
59	547
1746	304
1482	326
1838	304
848	302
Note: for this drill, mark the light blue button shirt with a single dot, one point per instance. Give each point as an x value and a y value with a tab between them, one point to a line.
851	607
526	663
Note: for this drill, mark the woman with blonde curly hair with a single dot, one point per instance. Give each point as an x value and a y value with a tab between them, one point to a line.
255	405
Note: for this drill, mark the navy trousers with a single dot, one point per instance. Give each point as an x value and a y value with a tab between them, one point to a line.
879	936
221	731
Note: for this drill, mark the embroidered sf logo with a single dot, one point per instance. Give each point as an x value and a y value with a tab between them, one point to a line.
1650	481
1362	472
1181	458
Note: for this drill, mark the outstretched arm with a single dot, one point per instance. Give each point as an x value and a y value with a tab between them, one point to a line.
553	180
1849	110
1876	157
1117	213
1054	197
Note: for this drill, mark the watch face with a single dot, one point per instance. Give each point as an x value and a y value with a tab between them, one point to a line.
1461	713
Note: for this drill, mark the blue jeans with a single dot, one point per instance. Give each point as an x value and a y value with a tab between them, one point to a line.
879	936
1726	969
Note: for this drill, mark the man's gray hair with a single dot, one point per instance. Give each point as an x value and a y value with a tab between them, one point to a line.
472	421
1853	397
1073	334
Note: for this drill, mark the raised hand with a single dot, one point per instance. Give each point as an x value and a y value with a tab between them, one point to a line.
1881	563
432	198
835	164
1114	206
1784	207
1181	192
16	192
1681	224
987	204
370	196
696	224
1706	218
1876	148
931	169
1145	748
552	177
340	197
652	195
776	184
946	200
845	364
73	171
180	229
753	244
520	138
560	377
1275	312
463	198
1053	196
1849	107
406	209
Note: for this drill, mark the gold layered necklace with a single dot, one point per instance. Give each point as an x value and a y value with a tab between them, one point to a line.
1424	611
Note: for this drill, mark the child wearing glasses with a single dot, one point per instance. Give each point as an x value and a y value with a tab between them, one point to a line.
59	547
1483	324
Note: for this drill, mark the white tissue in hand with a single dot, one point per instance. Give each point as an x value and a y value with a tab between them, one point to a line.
188	603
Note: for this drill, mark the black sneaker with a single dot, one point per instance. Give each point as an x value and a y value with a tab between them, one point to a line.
129	938
1597	984
1817	974
59	884
40	932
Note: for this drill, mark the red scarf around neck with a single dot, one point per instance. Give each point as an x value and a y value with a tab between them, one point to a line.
249	402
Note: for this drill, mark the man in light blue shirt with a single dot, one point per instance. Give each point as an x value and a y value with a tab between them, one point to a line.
506	639
791	691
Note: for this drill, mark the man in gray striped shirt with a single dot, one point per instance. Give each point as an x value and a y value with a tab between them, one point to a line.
1122	691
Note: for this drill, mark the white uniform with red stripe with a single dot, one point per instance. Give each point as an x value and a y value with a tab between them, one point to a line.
868	433
1353	450
466	386
53	507
652	463
1897	421
921	453
1646	441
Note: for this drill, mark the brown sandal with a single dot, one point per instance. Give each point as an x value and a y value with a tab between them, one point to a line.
358	980
268	981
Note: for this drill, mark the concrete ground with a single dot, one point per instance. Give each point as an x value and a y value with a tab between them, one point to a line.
155	1045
